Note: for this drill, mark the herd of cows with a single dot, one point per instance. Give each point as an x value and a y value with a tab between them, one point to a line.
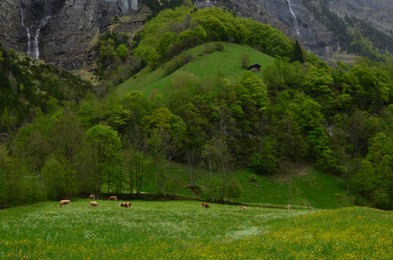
94	203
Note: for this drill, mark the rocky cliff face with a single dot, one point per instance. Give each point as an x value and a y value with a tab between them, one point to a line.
378	14
59	31
62	31
315	23
290	16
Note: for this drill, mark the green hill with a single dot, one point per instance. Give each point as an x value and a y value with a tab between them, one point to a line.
185	230
303	186
203	65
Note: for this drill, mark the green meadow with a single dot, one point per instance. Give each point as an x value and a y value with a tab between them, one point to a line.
185	230
303	186
203	65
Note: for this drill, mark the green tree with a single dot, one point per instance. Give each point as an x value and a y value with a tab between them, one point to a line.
122	51
264	160
60	181
135	166
218	157
298	53
4	167
105	145
170	129
166	135
245	60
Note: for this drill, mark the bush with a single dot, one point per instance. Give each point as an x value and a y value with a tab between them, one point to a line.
233	189
245	60
263	163
176	63
219	46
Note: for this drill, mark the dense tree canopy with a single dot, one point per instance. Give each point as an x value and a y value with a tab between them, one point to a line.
338	118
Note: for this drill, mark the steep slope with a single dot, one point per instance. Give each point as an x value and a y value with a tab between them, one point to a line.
322	26
292	17
28	87
63	32
203	65
376	13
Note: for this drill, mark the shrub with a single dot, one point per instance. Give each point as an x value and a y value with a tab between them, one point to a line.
176	63
245	60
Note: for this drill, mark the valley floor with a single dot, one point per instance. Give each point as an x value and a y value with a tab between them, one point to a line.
185	230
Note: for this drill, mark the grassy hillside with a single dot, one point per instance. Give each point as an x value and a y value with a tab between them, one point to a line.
203	65
309	187
303	187
185	230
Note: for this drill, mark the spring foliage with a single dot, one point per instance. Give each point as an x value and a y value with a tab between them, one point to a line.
338	119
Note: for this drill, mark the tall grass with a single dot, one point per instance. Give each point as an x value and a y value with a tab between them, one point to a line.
185	230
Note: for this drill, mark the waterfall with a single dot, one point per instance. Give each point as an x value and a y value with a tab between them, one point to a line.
33	49
28	34
294	18
134	5
129	5
36	47
126	5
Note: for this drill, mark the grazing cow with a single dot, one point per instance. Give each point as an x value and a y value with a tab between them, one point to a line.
93	204
205	205
243	208
126	205
309	208
64	202
112	198
92	196
289	206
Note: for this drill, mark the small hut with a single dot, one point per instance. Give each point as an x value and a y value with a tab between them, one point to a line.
254	68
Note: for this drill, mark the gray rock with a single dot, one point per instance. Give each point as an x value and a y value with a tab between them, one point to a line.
63	32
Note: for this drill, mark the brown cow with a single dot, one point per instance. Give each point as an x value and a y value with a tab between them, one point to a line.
64	202
126	205
309	208
205	205
93	204
112	198
243	208
92	196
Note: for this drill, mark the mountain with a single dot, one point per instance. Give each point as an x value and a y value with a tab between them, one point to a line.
64	33
323	26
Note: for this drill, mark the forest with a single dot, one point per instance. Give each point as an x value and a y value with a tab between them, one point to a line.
65	140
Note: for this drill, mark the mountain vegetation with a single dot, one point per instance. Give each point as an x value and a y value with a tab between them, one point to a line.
355	35
298	110
29	87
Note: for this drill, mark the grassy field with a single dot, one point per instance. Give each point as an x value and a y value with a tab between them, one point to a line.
302	186
185	230
226	63
311	188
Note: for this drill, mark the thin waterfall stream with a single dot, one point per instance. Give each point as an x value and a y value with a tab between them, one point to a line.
294	18
33	32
